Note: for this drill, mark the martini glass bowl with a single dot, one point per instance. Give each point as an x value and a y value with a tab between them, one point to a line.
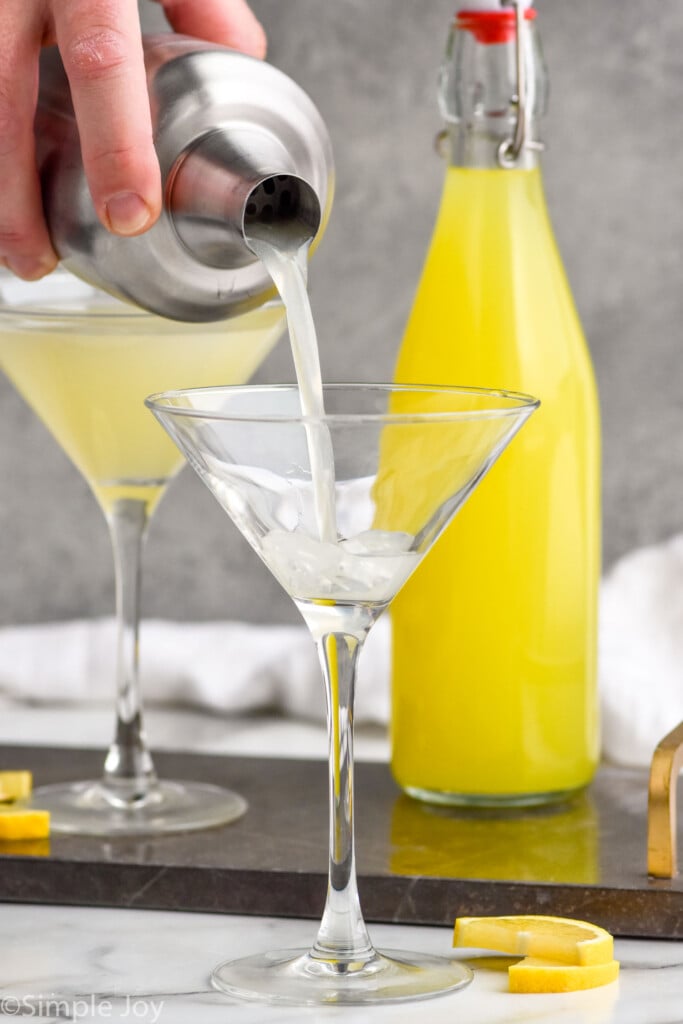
405	459
84	362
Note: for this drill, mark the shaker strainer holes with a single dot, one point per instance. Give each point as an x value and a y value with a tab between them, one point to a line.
275	198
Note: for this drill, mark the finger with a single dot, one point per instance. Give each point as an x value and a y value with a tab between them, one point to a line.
229	22
25	245
101	48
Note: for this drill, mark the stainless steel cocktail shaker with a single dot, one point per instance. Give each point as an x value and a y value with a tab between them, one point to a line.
244	154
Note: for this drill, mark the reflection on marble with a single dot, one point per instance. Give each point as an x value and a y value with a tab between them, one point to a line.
152	966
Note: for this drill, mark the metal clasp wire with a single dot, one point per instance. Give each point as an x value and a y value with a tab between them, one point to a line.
510	150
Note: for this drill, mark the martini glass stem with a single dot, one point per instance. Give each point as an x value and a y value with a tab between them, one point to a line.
128	769
342	937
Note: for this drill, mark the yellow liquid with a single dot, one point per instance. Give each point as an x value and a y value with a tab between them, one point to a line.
89	388
494	677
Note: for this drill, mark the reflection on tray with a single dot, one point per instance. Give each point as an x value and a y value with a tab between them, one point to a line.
554	844
24	848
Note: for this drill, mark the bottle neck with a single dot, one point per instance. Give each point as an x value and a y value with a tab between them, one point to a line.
479	87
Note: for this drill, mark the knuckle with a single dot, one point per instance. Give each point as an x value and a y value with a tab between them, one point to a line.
115	161
13	238
22	231
95	53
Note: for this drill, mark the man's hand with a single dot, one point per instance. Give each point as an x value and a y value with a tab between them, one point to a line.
100	44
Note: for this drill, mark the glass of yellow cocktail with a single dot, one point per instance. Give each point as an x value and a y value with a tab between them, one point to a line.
84	362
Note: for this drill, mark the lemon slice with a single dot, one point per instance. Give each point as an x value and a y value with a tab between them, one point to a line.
560	954
536	975
15	785
16	823
558	939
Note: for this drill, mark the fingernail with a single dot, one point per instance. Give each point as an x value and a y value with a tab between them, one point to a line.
127	213
29	268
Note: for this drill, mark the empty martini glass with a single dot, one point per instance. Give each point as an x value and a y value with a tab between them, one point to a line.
84	362
405	459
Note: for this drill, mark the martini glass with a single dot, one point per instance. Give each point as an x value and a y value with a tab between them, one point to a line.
84	362
405	459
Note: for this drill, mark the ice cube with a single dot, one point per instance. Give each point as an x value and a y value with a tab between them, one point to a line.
367	578
379	542
308	568
305	566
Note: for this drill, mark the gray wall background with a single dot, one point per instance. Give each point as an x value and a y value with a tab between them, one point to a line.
615	189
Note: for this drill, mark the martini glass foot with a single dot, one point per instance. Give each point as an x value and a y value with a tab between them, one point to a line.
295	978
92	808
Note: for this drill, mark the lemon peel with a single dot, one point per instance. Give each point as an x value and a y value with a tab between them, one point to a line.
550	938
536	975
560	954
16	823
15	785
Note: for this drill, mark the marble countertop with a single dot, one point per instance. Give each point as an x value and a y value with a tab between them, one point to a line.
73	964
154	966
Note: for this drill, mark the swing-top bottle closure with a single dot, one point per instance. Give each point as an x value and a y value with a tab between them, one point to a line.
492	86
493	26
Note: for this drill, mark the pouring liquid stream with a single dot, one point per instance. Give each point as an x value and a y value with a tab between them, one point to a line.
368	567
288	270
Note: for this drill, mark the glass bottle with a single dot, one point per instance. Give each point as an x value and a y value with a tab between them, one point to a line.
494	656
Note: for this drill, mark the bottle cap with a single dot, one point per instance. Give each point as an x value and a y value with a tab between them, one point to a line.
471	6
491	21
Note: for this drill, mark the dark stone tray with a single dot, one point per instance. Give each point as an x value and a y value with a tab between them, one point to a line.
417	864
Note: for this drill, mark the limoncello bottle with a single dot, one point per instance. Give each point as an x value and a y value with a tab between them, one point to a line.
494	656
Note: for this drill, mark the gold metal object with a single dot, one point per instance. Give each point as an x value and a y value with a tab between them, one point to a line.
662	861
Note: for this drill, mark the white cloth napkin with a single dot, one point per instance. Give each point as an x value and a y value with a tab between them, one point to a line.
233	667
225	666
641	651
